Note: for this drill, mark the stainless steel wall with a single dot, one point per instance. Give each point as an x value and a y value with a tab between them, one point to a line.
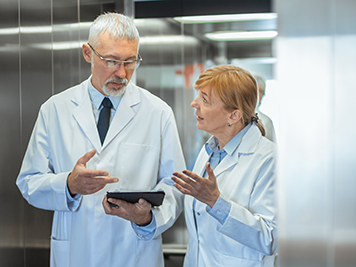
40	55
33	67
316	50
315	72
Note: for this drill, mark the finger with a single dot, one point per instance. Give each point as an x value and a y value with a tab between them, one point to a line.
106	205
183	177
97	183
182	184
95	173
209	170
182	189
107	180
193	176
119	202
144	204
87	156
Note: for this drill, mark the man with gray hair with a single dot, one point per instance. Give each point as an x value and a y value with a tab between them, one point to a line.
104	134
266	121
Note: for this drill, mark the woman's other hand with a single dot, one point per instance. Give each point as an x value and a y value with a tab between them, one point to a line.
204	190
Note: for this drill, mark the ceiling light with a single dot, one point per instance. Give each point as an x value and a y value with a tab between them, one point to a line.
259	60
44	29
168	39
59	45
225	18
241	36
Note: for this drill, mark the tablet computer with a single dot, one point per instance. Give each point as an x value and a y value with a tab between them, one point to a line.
155	197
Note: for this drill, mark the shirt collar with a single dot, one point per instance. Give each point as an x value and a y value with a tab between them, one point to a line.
212	145
97	97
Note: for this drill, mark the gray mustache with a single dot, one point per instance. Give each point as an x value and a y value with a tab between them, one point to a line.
118	80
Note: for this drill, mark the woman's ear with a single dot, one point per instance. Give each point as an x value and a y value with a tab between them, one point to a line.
86	53
236	116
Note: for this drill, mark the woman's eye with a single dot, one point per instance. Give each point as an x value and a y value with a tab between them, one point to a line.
205	101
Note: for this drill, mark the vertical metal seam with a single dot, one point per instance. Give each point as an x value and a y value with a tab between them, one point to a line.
52	50
79	50
332	184
22	230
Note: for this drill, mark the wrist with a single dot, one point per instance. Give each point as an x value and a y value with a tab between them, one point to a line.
145	221
70	190
212	203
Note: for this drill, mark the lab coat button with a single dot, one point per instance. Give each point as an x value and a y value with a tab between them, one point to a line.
198	213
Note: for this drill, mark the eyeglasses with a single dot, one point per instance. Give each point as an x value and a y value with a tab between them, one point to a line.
112	63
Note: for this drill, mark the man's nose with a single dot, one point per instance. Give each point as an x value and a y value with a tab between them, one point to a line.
120	71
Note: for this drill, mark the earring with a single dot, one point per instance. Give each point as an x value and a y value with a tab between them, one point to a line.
228	125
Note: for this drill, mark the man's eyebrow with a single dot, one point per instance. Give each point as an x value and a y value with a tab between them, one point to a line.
117	58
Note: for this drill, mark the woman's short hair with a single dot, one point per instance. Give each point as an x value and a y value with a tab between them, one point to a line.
235	87
117	25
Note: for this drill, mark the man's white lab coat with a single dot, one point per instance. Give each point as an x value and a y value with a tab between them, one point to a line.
141	148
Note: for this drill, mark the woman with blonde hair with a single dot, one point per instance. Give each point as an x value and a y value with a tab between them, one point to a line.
229	204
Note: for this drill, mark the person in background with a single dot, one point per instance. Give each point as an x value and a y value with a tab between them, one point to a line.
103	135
266	121
229	204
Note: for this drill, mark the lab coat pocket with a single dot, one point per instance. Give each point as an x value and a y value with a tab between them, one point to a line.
59	252
231	250
227	261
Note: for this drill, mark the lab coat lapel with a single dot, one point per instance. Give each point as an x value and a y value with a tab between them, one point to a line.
124	113
226	163
246	147
83	114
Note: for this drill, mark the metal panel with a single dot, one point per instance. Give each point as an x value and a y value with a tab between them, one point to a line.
36	87
316	66
66	45
11	208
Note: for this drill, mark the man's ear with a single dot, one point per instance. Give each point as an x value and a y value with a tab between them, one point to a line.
86	53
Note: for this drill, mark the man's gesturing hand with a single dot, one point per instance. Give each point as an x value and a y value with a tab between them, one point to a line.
85	181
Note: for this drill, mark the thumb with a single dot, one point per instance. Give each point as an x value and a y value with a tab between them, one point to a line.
87	156
209	170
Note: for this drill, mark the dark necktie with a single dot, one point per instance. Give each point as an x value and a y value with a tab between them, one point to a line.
104	119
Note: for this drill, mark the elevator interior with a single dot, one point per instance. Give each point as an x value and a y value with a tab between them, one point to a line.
40	55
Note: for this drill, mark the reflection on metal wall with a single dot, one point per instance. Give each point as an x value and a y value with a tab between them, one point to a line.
40	55
316	71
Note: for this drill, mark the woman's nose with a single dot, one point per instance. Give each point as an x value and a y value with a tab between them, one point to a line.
194	103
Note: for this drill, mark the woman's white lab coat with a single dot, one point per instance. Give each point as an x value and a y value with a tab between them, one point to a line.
141	148
246	180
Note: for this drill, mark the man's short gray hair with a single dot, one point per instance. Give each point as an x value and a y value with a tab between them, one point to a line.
117	25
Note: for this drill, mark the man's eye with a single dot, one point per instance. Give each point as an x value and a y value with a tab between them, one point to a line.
111	63
129	63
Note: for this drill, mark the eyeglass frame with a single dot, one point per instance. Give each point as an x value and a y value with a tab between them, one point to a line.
119	62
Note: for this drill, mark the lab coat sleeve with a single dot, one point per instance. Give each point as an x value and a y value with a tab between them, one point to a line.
38	183
255	226
171	160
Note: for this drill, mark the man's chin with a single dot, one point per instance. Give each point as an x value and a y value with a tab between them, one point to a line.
115	91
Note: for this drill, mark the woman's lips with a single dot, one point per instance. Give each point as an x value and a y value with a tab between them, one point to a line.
199	118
